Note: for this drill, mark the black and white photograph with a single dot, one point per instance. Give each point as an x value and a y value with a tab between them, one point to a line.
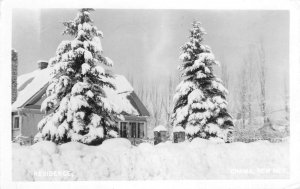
151	94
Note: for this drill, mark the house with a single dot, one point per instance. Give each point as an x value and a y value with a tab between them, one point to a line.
31	92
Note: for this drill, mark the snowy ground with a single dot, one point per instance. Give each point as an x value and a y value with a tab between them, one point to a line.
117	159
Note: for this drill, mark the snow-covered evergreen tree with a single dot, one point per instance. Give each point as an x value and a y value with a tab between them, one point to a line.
200	104
76	104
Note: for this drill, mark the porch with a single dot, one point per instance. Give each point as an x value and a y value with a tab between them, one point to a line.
134	128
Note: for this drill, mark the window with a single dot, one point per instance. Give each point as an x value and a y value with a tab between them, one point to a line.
141	130
138	131
133	129
123	130
16	122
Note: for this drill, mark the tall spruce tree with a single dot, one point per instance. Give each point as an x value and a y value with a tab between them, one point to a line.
76	104
200	104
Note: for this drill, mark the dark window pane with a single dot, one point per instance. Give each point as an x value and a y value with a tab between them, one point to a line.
123	130
141	130
133	129
16	123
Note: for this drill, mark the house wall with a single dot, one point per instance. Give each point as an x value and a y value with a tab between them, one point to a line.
29	123
31	117
14	132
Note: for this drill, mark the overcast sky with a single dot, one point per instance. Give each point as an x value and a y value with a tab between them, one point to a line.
146	43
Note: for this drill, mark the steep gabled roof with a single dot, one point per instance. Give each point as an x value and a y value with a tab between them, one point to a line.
32	86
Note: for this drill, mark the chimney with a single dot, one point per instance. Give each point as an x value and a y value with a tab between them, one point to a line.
14	75
42	64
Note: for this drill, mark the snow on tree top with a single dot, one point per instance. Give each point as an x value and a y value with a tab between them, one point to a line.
195	96
159	128
32	83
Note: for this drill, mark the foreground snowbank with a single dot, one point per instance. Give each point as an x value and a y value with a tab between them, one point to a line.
118	159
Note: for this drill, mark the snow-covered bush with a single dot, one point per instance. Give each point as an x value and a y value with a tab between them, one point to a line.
117	159
76	103
200	99
274	131
23	140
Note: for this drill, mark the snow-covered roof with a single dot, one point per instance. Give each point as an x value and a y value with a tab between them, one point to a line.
122	84
31	84
160	128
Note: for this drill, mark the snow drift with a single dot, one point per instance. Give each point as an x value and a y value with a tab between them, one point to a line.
117	159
